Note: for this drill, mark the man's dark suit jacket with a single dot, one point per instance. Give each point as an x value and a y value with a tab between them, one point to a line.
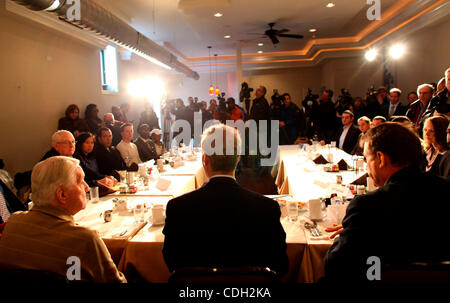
108	161
222	224
350	139
146	150
400	110
403	221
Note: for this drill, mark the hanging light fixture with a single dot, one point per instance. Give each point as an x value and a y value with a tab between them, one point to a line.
217	85
211	87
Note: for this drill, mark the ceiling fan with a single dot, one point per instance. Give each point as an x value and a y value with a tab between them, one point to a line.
273	34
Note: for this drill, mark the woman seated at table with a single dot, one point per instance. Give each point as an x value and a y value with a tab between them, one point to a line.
435	139
72	121
84	153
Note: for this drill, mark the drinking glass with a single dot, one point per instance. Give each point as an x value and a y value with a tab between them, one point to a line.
138	212
292	210
94	194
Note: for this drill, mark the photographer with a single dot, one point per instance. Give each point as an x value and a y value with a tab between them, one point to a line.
343	103
325	120
292	119
244	96
375	100
310	105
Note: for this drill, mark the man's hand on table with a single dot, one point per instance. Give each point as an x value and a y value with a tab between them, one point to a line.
337	229
108	181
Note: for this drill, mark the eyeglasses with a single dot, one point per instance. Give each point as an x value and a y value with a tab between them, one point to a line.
67	142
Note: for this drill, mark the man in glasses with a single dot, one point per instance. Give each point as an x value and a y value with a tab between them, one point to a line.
63	144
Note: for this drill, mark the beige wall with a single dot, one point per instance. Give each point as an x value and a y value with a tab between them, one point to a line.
41	73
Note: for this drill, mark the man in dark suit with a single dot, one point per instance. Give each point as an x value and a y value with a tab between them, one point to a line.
114	126
377	224
394	107
108	157
146	148
222	224
347	136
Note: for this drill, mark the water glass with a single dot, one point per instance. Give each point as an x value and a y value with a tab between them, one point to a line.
94	194
138	212
292	210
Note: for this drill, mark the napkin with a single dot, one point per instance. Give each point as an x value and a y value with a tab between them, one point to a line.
342	165
361	180
320	160
163	184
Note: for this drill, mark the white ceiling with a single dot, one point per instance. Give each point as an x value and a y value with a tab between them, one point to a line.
187	27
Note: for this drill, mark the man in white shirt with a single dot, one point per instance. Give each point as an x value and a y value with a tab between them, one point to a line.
128	150
347	136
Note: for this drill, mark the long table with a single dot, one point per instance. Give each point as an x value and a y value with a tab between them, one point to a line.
139	249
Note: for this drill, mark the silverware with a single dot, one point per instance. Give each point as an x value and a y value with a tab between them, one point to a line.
311	229
123	233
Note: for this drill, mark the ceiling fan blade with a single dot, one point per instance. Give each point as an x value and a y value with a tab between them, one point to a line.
274	39
291	36
282	31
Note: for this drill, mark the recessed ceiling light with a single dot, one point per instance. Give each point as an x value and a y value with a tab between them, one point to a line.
227	37
331	4
313	30
260	52
218	15
260	44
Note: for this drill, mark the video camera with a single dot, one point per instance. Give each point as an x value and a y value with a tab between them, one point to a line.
309	101
344	101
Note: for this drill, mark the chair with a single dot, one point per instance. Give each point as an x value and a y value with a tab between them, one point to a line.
417	272
19	275
246	274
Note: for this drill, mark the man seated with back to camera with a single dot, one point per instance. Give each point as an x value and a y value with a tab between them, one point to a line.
46	236
108	157
375	223
232	225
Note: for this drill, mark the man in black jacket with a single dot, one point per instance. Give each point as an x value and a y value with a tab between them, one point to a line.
108	157
63	144
391	223
347	136
222	224
394	107
146	148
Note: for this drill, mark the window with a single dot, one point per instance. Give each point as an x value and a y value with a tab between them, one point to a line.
108	63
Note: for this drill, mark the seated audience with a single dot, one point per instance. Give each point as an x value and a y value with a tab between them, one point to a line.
418	108
46	236
156	136
435	139
108	157
373	221
63	144
124	109
347	136
232	225
364	126
128	150
114	126
92	119
149	117
72	121
115	109
85	153
145	146
9	203
394	107
412	97
377	120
